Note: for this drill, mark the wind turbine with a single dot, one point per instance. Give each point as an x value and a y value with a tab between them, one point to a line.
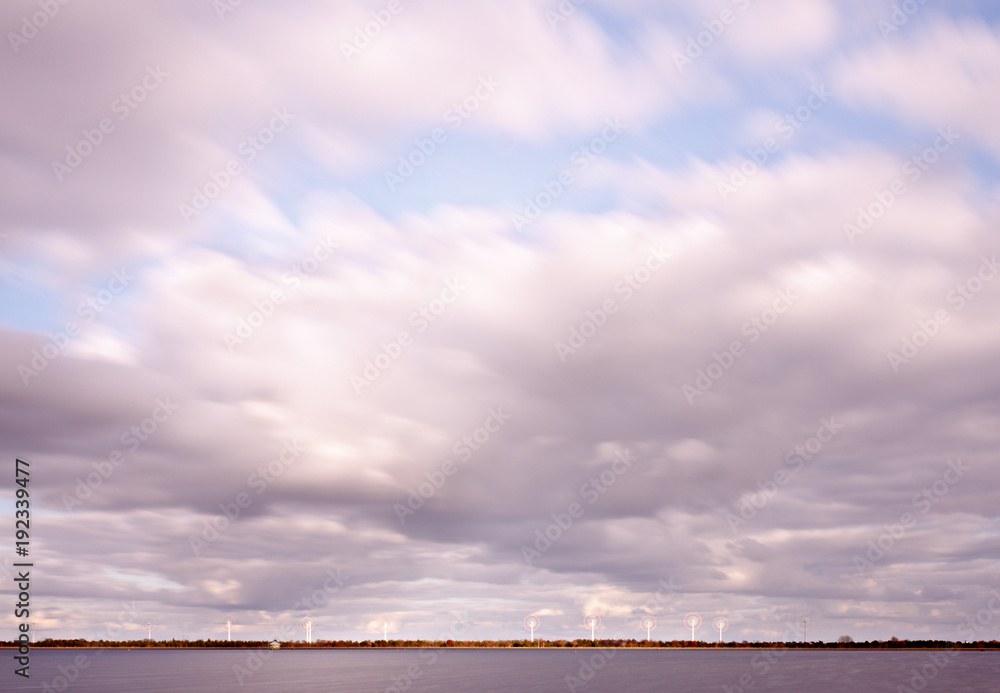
720	625
307	623
149	629
692	621
531	623
649	623
230	622
593	622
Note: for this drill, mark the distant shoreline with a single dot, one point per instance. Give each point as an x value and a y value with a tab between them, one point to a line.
981	646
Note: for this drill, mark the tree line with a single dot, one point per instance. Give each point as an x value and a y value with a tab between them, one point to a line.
842	643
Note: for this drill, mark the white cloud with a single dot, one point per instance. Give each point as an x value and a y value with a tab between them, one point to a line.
492	343
780	30
958	64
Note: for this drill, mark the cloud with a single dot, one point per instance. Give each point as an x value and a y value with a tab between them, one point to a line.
956	62
660	380
776	30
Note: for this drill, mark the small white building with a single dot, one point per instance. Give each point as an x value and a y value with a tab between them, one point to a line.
275	645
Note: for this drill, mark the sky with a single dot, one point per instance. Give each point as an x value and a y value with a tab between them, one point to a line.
420	319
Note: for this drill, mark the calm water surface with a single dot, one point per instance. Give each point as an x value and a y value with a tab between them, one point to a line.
495	671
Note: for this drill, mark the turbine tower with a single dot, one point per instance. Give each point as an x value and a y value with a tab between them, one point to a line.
531	623
692	621
649	623
720	624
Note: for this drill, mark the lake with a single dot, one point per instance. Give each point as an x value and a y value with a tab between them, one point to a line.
508	670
